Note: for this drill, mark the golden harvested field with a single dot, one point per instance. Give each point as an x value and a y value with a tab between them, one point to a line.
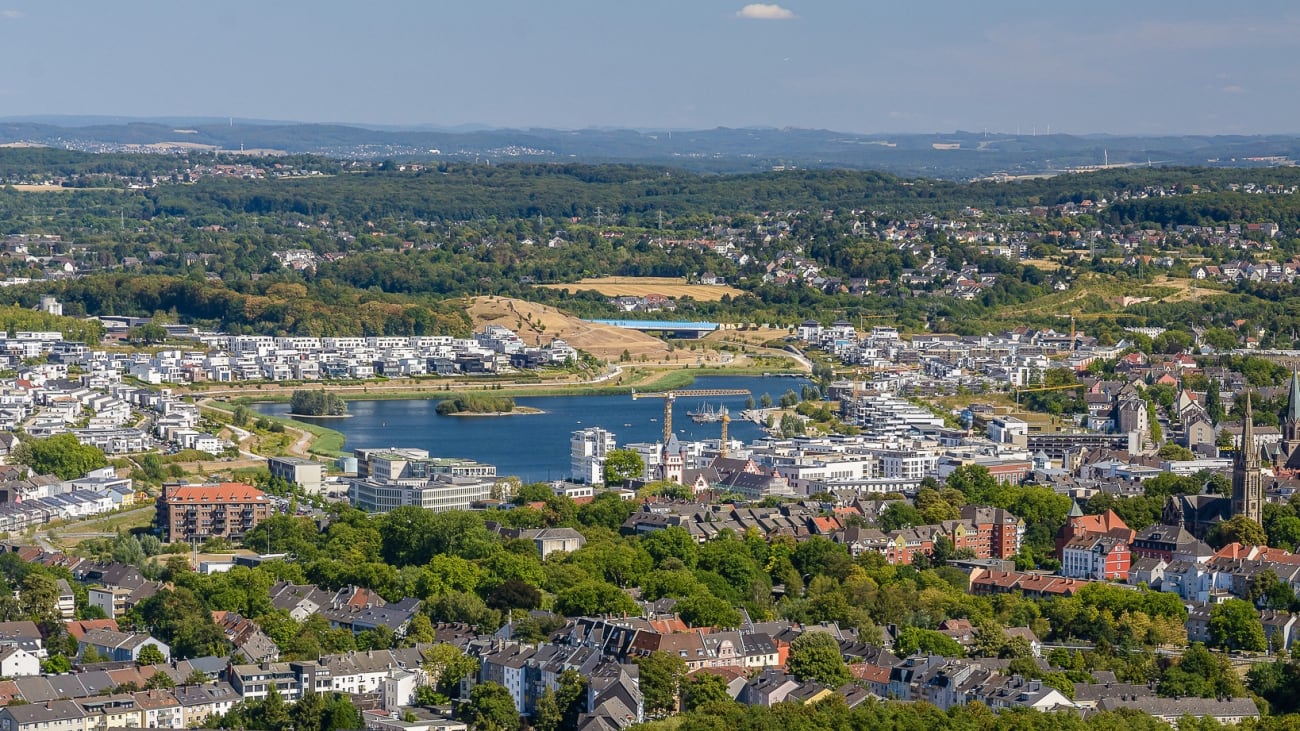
641	286
33	188
749	337
538	325
1047	265
1187	288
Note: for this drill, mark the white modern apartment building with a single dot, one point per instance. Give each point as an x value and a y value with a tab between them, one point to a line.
587	451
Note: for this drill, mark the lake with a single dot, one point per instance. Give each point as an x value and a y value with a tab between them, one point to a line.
535	447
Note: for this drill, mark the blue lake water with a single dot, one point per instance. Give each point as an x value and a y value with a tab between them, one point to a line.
536	446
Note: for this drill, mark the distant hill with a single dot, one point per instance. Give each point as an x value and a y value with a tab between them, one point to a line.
957	155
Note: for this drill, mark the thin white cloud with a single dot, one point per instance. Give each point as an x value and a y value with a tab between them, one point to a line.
765	11
1233	89
11	14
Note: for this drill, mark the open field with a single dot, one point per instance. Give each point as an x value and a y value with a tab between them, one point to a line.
1047	265
757	336
1092	295
674	287
67	535
1186	288
35	188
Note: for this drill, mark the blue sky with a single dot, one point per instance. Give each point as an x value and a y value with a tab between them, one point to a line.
1157	67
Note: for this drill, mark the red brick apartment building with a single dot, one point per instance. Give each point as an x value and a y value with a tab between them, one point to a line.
199	512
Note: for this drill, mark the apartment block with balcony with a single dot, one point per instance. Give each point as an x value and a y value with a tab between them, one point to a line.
200	512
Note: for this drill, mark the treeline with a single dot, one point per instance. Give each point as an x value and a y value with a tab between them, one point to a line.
887	716
317	403
460	192
271	305
25	162
13	319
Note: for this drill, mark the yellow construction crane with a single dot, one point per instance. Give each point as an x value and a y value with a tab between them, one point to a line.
670	396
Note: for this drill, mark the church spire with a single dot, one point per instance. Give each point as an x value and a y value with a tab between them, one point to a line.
1247	482
1291	417
1293	402
1249	449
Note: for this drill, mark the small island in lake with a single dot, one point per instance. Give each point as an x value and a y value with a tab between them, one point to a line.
481	405
317	403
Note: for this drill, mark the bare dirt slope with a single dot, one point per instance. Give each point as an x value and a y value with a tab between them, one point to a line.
538	325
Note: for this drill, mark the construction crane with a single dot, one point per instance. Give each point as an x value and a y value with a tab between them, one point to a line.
670	396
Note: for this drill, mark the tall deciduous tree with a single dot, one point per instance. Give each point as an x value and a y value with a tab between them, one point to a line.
446	666
661	676
1238	529
704	689
150	655
490	708
38	598
176	617
816	656
1235	625
559	708
622	465
60	455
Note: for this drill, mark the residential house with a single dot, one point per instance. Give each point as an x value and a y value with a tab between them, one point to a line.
52	715
1102	558
550	540
1171	710
22	634
121	646
16	662
201	703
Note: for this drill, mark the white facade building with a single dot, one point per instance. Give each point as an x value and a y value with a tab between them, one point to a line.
587	451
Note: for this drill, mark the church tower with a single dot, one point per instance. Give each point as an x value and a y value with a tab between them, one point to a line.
1247	482
1291	417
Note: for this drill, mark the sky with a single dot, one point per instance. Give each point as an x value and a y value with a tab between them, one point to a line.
1153	67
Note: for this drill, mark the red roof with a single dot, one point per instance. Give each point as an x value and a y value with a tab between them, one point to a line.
826	524
79	627
669	625
226	492
1106	524
869	673
1235	551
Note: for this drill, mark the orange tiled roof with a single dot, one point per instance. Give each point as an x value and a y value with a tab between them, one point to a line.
226	492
